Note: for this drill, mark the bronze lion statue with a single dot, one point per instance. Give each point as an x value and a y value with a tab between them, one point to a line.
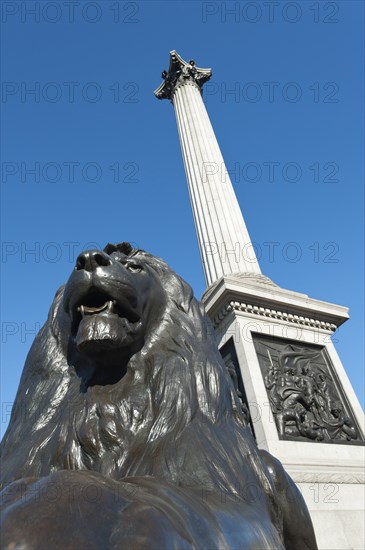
127	431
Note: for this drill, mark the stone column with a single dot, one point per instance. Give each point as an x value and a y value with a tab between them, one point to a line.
224	242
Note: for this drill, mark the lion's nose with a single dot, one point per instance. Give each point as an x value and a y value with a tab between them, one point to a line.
91	259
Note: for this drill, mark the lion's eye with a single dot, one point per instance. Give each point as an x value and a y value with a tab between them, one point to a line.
134	268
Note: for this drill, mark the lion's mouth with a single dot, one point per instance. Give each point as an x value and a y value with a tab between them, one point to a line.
87	310
97	303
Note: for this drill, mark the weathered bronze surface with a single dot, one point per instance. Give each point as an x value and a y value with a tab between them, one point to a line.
305	398
127	431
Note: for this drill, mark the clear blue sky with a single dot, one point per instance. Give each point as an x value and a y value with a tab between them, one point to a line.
108	163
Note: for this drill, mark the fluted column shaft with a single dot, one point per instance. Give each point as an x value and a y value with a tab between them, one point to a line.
224	242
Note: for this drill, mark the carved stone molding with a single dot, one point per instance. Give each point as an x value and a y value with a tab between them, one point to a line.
272	314
181	72
258	278
337	478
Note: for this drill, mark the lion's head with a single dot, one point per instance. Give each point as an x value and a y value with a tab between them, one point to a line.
125	378
112	303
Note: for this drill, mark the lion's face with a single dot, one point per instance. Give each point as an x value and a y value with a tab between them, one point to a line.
111	301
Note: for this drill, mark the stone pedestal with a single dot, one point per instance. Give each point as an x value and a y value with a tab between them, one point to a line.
252	316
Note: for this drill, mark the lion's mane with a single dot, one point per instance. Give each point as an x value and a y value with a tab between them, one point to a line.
178	419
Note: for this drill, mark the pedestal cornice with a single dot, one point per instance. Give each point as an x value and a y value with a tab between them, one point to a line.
181	72
259	296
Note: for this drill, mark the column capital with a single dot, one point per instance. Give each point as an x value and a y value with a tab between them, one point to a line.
180	71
